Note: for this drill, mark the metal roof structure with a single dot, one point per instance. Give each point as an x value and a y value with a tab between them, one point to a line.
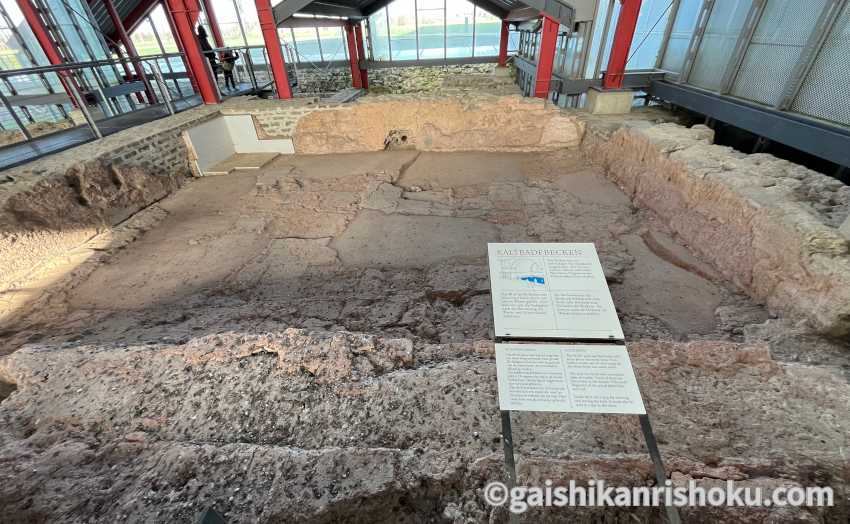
357	9
131	12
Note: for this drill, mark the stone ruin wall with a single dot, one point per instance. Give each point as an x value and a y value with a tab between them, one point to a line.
481	123
51	206
767	224
424	123
388	80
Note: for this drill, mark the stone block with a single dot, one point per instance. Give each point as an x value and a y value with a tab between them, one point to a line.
751	216
609	102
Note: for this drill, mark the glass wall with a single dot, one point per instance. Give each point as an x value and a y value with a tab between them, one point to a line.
144	39
429	29
680	35
402	20
379	35
649	34
315	44
432	28
460	29
15	38
718	43
334	46
488	32
307	45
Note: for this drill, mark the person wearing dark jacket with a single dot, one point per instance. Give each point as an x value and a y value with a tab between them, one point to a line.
206	49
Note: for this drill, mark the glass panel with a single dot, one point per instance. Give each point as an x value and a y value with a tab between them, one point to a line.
63	20
307	44
287	42
777	44
228	22
606	53
488	32
333	43
379	35
460	21
160	22
680	37
823	94
431	28
649	33
250	22
513	41
403	29
87	28
26	34
144	39
721	34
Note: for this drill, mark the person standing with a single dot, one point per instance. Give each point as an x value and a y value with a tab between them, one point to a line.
228	63
206	49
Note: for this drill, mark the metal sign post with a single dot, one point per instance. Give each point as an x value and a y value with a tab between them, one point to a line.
648	436
510	465
538	292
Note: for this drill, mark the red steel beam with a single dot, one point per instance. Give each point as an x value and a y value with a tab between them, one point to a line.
213	21
47	45
353	56
548	41
503	44
361	54
623	35
272	40
129	48
176	35
184	12
40	31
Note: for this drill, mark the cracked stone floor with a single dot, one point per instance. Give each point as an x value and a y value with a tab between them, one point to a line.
310	342
392	244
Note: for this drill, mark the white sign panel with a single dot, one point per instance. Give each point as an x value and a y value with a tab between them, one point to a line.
567	378
551	291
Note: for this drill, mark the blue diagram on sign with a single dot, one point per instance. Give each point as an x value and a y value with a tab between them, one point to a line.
534	280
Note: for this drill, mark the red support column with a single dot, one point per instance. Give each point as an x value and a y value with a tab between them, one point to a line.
503	44
211	18
184	12
272	40
548	41
353	56
129	48
47	45
623	36
361	54
180	48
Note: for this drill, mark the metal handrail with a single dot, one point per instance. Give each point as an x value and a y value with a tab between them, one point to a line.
75	94
150	65
84	65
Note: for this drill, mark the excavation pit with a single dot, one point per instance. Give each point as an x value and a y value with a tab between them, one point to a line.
315	334
390	243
